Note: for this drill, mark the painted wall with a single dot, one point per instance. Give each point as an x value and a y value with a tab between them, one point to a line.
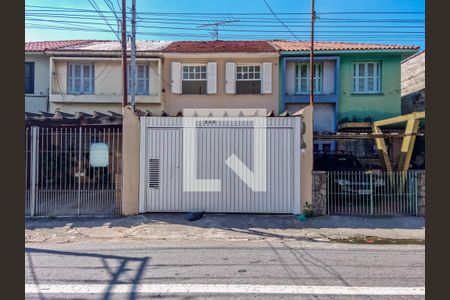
375	106
323	115
38	101
176	102
107	91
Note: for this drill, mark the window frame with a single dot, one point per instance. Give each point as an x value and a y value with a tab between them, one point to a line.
318	79
146	78
377	77
71	80
248	65
194	65
31	76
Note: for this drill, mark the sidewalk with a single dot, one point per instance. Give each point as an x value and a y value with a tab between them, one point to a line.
221	227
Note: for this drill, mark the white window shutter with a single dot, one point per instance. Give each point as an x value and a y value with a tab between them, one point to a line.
211	75
266	83
230	78
176	77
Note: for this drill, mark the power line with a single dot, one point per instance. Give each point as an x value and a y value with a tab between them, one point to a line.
94	5
239	13
275	15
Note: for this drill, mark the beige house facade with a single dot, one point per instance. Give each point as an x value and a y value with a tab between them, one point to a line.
220	75
88	78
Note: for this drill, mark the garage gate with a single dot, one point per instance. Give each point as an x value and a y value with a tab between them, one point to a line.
165	159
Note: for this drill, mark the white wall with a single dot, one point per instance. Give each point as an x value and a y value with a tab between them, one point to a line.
108	87
38	100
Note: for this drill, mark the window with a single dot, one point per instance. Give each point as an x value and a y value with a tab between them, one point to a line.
194	79
29	78
81	79
366	77
302	79
248	79
142	79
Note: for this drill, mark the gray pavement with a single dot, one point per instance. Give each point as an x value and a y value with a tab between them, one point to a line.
232	227
254	262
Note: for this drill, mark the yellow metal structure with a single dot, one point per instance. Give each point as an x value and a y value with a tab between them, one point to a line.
409	138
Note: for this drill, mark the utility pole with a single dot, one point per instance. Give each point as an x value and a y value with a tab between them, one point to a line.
124	54
311	58
133	55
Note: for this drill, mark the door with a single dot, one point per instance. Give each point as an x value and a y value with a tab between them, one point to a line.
164	170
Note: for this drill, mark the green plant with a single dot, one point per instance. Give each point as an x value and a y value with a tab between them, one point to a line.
308	210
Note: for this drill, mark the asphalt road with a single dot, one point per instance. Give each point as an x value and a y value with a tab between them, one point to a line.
193	269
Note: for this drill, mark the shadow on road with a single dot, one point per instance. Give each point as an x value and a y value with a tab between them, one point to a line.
114	273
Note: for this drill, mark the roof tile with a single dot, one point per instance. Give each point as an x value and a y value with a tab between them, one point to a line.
220	46
335	46
52	45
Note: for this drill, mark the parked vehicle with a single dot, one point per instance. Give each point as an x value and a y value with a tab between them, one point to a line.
348	174
337	161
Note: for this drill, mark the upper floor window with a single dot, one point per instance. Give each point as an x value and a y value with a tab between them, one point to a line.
81	78
194	79
142	79
302	78
29	78
366	77
248	79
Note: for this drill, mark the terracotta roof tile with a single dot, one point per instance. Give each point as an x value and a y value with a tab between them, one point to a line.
335	46
220	46
115	46
52	45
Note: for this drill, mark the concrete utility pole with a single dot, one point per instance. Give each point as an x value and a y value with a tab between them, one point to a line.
124	54
133	55
311	57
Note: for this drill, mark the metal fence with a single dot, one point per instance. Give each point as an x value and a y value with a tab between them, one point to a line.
65	176
368	193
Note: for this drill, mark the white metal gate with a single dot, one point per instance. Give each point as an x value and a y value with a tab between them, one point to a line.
161	186
60	177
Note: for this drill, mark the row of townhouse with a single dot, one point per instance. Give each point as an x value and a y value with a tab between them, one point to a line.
352	81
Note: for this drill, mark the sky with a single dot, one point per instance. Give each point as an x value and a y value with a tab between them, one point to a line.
373	21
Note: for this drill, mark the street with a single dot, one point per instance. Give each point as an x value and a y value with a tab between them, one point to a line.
183	269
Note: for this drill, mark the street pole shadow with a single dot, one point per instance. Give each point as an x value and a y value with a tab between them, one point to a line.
115	274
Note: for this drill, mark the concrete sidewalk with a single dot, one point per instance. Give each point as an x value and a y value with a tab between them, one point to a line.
221	227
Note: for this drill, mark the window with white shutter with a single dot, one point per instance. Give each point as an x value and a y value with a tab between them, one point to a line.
211	74
302	78
366	77
175	84
248	79
81	78
142	79
230	78
194	79
266	77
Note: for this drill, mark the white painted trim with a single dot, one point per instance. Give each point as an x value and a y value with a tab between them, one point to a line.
221	289
143	167
297	207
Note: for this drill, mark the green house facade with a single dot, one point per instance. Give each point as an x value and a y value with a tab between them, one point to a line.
357	82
